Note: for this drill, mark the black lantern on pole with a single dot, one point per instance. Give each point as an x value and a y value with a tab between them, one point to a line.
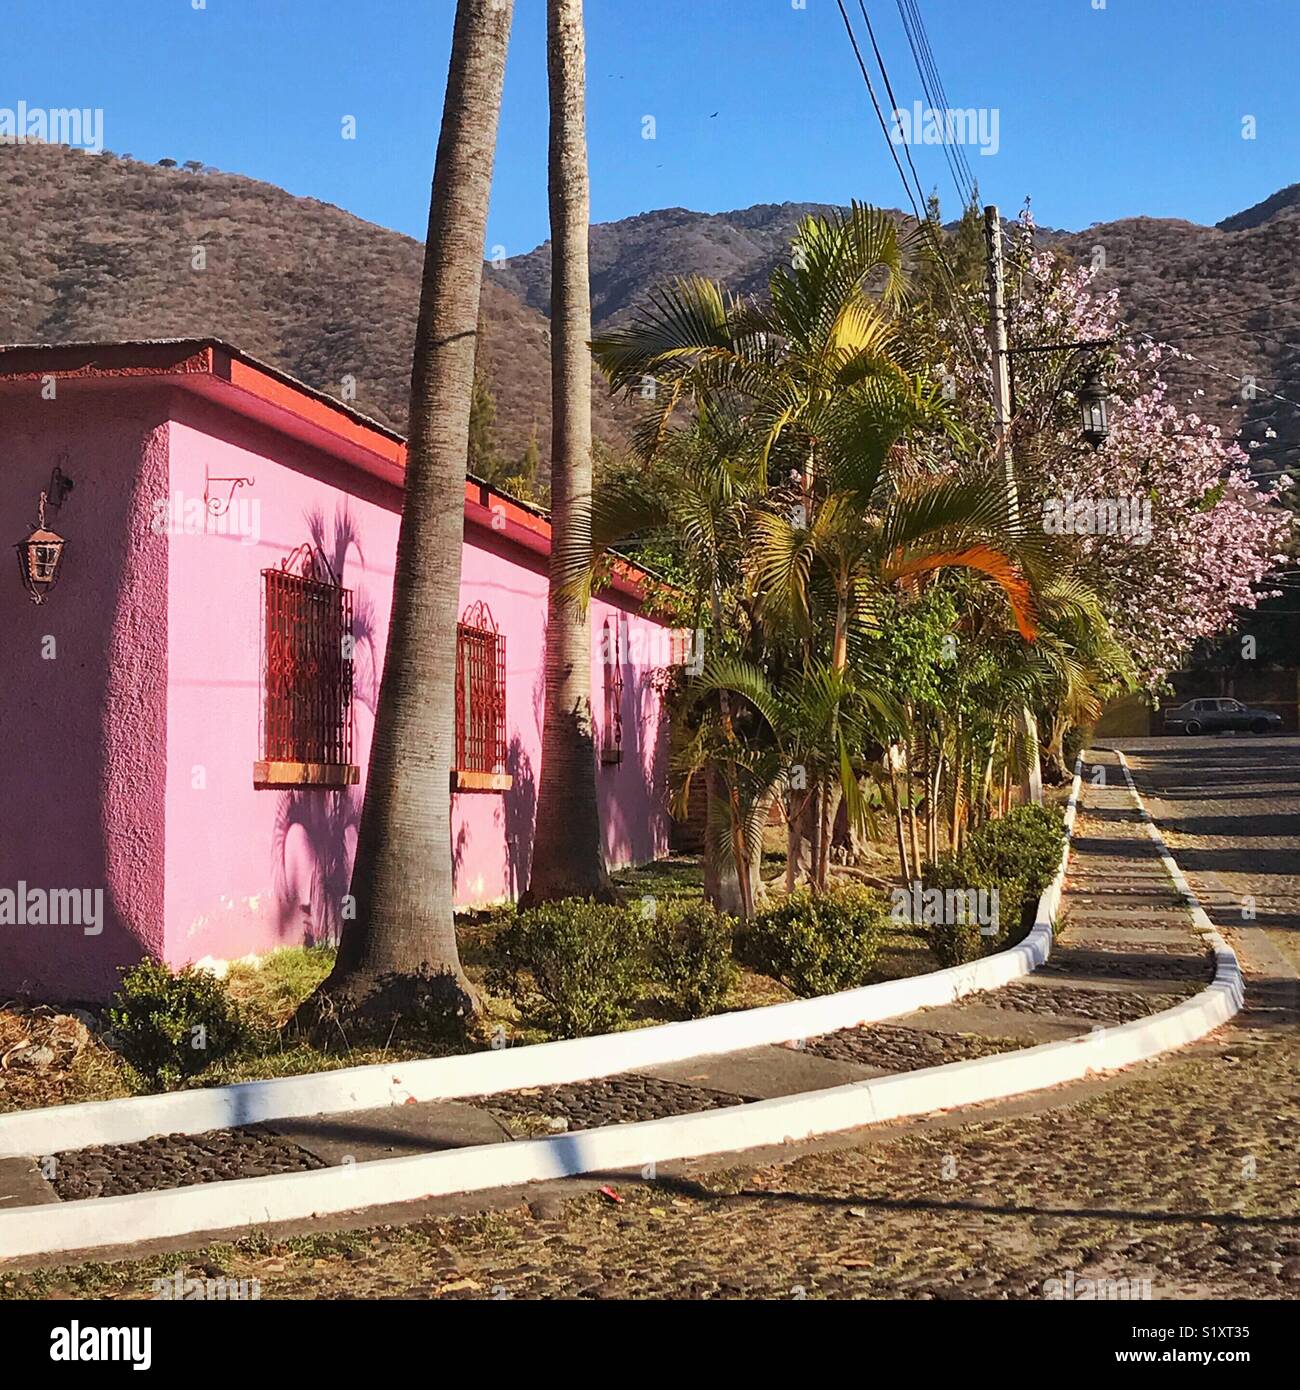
1093	402
39	557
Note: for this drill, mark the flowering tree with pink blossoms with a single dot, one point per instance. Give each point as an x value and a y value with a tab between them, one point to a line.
1162	520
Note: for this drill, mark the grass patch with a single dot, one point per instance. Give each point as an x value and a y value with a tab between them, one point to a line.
678	876
270	989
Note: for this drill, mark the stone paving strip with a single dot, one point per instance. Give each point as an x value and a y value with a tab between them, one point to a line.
1126	950
611	1100
177	1160
886	1047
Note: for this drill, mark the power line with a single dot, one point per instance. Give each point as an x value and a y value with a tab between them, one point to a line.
945	268
880	115
1223	333
932	86
1176	369
893	100
919	41
936	233
1181	352
942	260
1224	372
1201	320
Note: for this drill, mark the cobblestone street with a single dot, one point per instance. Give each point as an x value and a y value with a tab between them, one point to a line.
1230	811
1180	1178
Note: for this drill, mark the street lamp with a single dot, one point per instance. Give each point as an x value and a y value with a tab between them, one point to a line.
1093	402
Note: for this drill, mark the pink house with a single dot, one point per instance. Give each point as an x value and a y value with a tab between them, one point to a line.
187	712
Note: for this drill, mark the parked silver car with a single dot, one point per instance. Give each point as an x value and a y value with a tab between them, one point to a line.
1214	716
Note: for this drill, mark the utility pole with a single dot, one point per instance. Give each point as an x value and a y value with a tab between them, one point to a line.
1001	362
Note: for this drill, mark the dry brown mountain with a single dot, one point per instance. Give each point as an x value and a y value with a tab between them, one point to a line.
1230	297
630	257
104	248
1229	294
100	248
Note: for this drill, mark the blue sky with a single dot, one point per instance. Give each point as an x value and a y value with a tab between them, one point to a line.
1104	110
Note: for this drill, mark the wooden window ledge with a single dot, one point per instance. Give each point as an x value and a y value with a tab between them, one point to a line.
463	781
268	773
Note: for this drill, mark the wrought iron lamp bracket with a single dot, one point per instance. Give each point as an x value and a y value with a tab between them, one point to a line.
217	506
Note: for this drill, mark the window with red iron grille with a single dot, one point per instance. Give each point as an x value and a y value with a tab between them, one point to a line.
306	734
480	694
613	643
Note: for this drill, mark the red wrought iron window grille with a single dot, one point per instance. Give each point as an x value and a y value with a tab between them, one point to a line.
306	734
480	694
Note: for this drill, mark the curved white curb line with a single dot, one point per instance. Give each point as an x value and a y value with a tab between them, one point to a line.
57	1129
1225	958
119	1221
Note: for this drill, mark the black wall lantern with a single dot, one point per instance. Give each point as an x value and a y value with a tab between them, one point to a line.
41	554
1093	405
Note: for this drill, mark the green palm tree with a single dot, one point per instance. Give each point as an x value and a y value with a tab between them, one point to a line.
402	875
568	858
816	423
834	573
818	369
698	490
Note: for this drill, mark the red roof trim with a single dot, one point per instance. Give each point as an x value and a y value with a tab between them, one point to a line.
191	363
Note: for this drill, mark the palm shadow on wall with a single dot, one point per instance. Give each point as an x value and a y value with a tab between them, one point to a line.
519	804
458	852
519	807
632	806
315	832
516	814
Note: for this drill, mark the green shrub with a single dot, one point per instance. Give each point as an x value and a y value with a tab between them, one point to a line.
956	939
170	1026
1022	850
1026	843
690	956
573	967
1017	857
819	943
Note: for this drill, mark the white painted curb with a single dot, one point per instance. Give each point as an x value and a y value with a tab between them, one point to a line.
122	1221
57	1129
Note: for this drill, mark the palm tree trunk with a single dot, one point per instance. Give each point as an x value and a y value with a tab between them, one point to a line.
924	775
912	827
903	863
402	876
722	886
814	819
958	768
568	853
1056	748
793	840
740	853
832	790
933	809
986	786
832	797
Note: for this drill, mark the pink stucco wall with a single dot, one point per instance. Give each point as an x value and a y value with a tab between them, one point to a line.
82	718
145	728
